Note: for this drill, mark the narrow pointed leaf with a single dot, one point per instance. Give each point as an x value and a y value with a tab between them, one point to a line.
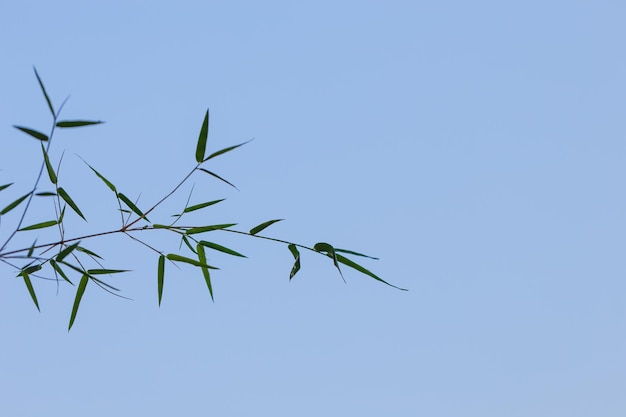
107	182
60	271
219	178
14	204
2	187
177	258
188	244
41	225
51	174
32	269
196	230
262	226
79	295
31	249
362	270
66	251
105	271
33	133
161	276
330	251
30	288
354	253
223	151
45	94
65	196
132	206
46	194
77	123
220	248
202	138
88	252
202	205
205	271
296	265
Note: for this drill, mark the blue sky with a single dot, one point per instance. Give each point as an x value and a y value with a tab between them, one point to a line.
476	147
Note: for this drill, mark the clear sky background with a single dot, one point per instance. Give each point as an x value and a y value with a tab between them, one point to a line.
476	147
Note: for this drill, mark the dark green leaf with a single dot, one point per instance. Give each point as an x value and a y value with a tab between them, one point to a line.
186	241
161	276
88	252
62	214
205	271
31	290
195	230
33	133
58	269
43	90
79	295
77	123
354	253
218	177
51	173
105	271
2	187
41	225
262	226
32	269
359	268
31	249
46	194
177	258
107	182
223	151
220	248
202	205
330	251
65	196
74	267
202	138
66	251
14	204
132	206
296	255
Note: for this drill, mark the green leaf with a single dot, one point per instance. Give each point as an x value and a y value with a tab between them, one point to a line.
296	265
330	252
77	123
202	205
202	138
354	253
66	251
2	187
161	276
65	196
186	241
31	249
107	182
262	226
223	151
359	268
177	258
58	269
14	204
79	295
32	269
105	271
88	252
51	174
196	230
132	206
31	290
33	133
41	225
43	90
218	177
46	194
205	271
220	248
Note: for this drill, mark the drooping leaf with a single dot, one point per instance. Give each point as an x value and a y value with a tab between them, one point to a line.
66	251
60	271
132	206
362	270
296	265
33	133
220	248
31	290
263	225
213	174
41	225
188	244
79	295
354	253
51	174
77	123
330	252
45	94
205	271
14	204
65	196
223	151
202	205
107	182
178	258
202	138
161	276
105	271
202	229
2	187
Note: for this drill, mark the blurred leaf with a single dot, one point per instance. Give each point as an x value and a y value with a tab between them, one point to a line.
41	225
161	276
359	268
354	253
2	187
58	269
202	205
132	206
33	133
79	295
66	251
296	265
105	271
65	196
196	230
62	214
31	249
202	138
14	204
88	252
74	267
107	182
219	178
32	269
262	226
205	271
43	90
177	258
31	290
220	248
223	151
78	123
46	194
51	173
